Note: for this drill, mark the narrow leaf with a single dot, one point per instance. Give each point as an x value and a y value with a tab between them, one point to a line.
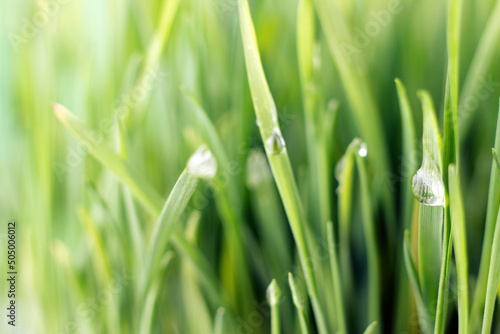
460	247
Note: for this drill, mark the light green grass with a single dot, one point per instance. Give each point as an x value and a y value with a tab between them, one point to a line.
298	214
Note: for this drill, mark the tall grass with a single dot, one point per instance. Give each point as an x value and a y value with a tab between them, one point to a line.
240	166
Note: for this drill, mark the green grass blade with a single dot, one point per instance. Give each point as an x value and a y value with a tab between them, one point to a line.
423	313
317	151
355	85
409	164
493	280
431	138
228	204
164	227
373	253
491	214
299	304
336	279
157	44
344	173
409	152
451	152
362	104
481	62
431	218
273	299
372	328
271	222
460	247
202	267
135	231
495	159
265	110
144	192
151	298
219	321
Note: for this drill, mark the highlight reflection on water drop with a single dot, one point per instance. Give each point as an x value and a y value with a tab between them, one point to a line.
202	164
427	185
363	150
275	144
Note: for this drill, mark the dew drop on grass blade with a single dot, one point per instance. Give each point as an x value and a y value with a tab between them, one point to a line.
265	110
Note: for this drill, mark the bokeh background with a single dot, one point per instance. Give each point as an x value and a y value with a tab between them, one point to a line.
99	58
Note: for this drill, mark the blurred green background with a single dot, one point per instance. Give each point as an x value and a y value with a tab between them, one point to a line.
96	57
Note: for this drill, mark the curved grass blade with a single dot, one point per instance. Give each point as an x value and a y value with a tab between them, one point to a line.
460	247
229	206
265	110
362	103
409	164
493	281
489	230
206	275
372	328
299	304
155	48
363	106
423	313
336	279
102	265
152	297
172	210
483	57
144	192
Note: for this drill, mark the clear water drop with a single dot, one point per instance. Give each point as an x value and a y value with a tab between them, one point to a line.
259	123
202	164
363	150
273	293
275	144
427	184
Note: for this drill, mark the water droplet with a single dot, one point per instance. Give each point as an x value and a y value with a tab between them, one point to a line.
427	184
259	123
202	164
249	47
273	293
363	150
275	144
